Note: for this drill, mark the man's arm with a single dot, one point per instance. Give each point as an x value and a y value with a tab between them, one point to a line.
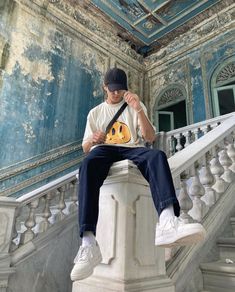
96	138
146	127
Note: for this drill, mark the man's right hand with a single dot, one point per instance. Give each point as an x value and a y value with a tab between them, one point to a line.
98	137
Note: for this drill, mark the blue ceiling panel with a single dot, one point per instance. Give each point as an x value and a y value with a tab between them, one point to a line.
149	20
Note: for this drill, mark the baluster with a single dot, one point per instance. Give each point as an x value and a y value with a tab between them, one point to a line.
217	170
15	234
207	181
196	133
209	128
45	223
196	191
29	223
74	197
205	129
61	205
169	146
178	145
187	139
213	126
231	154
184	200
171	142
226	162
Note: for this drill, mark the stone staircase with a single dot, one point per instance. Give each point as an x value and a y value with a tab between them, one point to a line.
219	275
203	169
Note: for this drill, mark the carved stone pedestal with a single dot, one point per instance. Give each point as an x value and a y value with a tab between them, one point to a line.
126	231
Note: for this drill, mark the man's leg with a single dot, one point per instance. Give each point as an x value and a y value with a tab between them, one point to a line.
93	171
154	167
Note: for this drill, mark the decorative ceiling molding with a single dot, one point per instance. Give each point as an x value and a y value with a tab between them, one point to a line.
219	18
166	24
151	22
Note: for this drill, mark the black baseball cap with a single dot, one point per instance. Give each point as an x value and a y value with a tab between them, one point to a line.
115	79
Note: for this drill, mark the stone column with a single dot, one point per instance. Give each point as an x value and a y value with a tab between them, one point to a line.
7	215
125	232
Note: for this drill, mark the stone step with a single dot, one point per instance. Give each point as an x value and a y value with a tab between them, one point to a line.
227	247
218	276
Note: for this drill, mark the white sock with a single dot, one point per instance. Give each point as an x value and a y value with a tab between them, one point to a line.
166	214
88	238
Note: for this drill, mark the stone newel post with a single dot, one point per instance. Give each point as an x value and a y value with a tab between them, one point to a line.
125	232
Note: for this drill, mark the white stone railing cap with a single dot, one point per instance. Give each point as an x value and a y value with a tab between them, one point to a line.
47	188
199	124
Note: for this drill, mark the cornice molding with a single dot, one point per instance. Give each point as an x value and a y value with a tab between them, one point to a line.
42	176
12	171
83	26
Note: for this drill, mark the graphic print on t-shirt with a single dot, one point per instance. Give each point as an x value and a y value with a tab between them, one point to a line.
118	134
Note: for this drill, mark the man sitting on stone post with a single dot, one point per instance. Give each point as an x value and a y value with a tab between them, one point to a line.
125	140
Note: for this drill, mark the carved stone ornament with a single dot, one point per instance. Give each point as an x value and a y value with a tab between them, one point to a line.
227	73
208	27
170	95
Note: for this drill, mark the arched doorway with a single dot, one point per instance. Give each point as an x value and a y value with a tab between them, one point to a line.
170	109
223	89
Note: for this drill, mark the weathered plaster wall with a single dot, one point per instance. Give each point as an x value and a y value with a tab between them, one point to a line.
190	61
51	76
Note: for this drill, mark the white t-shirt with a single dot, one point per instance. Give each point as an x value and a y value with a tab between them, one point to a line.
124	132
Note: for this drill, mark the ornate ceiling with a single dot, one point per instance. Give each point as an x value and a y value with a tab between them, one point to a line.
150	24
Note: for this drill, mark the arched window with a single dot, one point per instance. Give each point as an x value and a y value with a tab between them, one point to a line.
223	88
170	109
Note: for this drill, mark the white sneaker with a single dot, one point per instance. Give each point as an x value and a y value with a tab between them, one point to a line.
87	258
174	232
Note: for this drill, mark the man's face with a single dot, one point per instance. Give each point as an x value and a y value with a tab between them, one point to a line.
114	96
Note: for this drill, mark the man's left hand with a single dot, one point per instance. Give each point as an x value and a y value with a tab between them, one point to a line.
133	100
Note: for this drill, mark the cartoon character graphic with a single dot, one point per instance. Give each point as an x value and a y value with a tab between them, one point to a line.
118	134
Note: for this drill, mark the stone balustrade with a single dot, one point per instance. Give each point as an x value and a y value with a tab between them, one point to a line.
176	140
204	176
37	211
24	219
203	171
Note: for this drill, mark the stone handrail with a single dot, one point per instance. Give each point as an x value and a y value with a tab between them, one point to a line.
176	140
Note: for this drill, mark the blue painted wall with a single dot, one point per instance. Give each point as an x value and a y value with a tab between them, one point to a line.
42	114
194	69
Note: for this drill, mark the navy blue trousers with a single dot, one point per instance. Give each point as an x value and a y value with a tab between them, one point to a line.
94	169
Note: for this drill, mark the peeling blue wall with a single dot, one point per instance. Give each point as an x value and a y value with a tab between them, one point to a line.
40	116
196	77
